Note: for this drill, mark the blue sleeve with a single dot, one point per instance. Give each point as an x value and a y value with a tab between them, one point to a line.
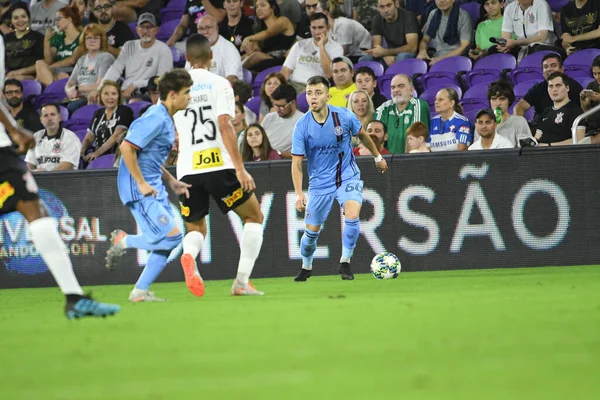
298	144
143	130
354	124
464	134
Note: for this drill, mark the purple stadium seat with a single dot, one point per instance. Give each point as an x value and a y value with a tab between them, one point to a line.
57	86
383	83
429	94
530	67
81	134
522	88
374	65
31	88
82	117
132	26
445	71
137	106
103	162
584	82
254	104
477	92
579	64
529	114
557	5
260	78
410	67
166	30
471	115
474	10
490	68
301	102
178	58
474	104
247	76
535	60
173	10
54	93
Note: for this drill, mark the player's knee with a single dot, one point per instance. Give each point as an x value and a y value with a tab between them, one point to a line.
256	218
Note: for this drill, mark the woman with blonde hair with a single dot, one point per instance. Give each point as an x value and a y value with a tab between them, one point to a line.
109	124
271	82
90	67
256	145
360	103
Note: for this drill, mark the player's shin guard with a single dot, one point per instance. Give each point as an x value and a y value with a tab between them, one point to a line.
192	243
45	237
250	244
308	245
157	261
349	238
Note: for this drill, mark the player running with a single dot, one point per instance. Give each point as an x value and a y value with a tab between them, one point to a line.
19	192
324	136
210	161
140	182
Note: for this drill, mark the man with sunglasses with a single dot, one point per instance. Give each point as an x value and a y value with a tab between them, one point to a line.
279	124
117	32
310	7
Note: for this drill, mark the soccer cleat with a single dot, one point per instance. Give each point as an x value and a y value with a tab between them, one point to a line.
249	290
139	295
115	250
303	275
193	280
85	306
345	272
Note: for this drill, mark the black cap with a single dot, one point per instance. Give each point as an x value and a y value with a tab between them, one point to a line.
152	84
487	112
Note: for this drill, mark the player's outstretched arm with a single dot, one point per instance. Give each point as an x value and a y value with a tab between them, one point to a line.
22	137
129	155
297	177
230	142
369	144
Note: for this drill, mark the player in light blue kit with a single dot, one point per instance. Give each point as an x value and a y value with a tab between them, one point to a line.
324	137
140	182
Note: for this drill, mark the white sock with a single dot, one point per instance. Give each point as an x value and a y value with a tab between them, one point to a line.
192	243
45	237
250	244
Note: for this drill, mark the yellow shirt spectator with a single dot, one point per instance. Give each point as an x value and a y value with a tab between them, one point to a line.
339	97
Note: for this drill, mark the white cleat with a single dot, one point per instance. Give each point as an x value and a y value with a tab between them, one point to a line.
240	290
139	295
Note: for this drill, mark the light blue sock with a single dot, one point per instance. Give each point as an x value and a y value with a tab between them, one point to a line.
140	242
308	245
157	261
349	239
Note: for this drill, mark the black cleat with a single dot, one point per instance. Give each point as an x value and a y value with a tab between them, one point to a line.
345	272
303	275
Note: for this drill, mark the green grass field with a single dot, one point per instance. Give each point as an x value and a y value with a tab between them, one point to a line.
495	334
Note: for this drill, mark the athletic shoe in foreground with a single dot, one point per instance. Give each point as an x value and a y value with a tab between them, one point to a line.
85	306
303	275
193	280
139	295
249	290
345	272
116	248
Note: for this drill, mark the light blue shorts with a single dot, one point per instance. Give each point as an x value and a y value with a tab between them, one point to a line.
154	217
319	206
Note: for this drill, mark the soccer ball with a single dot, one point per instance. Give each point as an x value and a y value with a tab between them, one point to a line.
385	266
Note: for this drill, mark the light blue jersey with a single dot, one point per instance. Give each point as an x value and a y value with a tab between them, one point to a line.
153	135
446	135
328	148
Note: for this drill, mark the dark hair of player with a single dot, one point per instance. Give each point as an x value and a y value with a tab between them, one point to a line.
315	80
174	80
197	49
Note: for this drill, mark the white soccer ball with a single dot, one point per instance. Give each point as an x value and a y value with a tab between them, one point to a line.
385	266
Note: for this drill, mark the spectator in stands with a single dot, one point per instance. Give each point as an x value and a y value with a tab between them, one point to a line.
489	27
109	123
366	80
43	15
90	67
377	131
400	30
513	127
361	105
236	26
194	10
271	82
117	32
226	61
256	145
290	9
590	98
422	9
417	136
446	33
82	9
311	57
149	93
489	139
556	121
5	16
243	92
141	59
538	96
23	47
530	21
450	130
580	23
274	35
350	34
303	28
239	123
343	76
279	125
25	116
57	148
130	10
59	48
401	112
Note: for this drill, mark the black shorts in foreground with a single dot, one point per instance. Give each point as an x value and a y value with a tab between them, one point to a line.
222	185
16	182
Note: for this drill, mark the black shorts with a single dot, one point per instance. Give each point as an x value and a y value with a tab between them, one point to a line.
222	185
16	182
